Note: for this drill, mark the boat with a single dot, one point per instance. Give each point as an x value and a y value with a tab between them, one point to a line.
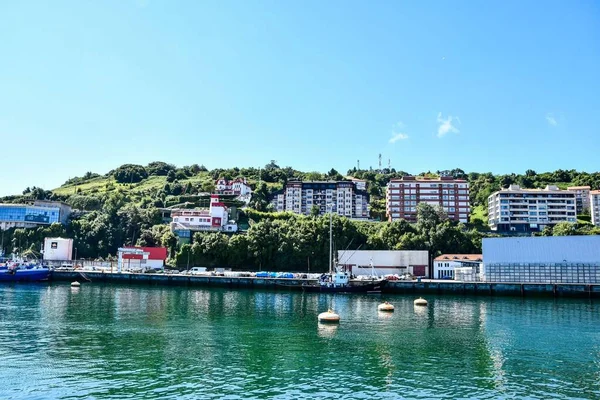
339	281
23	272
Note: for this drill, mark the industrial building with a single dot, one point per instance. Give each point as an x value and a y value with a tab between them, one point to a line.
403	195
551	259
385	262
341	197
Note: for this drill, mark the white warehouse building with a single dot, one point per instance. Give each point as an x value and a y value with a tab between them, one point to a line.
551	259
385	262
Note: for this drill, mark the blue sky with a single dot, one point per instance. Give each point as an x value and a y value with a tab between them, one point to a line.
499	86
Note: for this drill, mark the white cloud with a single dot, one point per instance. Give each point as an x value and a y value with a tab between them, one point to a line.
398	136
551	120
446	125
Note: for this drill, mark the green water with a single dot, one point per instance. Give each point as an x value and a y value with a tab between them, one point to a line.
176	343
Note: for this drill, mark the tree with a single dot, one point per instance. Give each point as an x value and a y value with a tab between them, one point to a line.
315	211
159	168
171	176
130	173
564	229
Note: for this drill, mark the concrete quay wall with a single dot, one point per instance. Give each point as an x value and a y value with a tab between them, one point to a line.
399	287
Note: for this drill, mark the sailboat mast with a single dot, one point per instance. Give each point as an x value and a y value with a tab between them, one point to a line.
330	244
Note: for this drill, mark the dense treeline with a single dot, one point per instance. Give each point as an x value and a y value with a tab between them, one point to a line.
121	208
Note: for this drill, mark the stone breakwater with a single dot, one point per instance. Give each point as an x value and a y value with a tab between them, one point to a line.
397	287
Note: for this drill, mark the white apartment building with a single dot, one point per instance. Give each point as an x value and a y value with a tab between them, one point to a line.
530	210
404	194
340	197
595	206
582	198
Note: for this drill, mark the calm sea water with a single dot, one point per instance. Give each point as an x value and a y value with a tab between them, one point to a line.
176	343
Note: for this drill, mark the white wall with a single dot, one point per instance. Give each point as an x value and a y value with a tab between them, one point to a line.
385	261
58	249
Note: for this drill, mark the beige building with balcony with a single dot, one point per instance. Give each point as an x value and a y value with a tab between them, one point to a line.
530	210
582	198
595	206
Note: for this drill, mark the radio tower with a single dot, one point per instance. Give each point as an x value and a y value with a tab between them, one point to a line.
379	161
358	165
389	165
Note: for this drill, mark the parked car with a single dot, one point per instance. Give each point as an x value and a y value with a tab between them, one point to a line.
198	271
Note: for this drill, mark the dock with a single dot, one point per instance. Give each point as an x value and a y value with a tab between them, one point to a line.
581	290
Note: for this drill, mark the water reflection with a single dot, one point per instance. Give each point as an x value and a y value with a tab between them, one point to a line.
156	342
327	331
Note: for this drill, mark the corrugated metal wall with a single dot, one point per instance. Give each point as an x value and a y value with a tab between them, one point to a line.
552	249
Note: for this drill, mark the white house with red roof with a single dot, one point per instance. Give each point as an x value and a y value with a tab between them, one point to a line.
444	266
152	257
237	187
213	219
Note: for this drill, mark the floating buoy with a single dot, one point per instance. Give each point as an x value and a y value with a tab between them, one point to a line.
420	302
329	316
385	307
75	284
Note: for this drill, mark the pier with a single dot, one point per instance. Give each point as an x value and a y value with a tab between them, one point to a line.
393	287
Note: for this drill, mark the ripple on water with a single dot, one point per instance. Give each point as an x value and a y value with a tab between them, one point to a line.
118	342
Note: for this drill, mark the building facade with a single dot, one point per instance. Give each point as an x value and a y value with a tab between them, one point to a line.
41	212
385	262
214	219
548	259
530	210
237	187
595	206
404	194
582	198
444	266
341	197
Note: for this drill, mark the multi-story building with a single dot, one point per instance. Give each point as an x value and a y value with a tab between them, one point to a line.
404	194
41	212
214	219
530	210
595	206
237	187
341	197
582	198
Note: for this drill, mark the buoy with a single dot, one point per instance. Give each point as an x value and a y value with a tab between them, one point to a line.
75	284
385	307
420	302
329	316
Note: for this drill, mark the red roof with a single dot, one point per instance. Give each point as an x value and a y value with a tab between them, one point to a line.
459	257
155	253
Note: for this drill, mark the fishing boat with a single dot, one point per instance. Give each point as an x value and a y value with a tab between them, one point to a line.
339	281
23	272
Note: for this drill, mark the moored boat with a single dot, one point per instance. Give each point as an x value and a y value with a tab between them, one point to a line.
16	272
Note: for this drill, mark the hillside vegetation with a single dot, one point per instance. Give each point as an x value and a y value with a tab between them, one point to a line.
122	208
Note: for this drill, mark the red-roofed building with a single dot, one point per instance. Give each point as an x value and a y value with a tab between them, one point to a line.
153	257
214	219
444	266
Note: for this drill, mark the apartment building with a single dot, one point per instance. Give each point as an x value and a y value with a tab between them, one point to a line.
341	197
595	206
530	210
404	194
582	198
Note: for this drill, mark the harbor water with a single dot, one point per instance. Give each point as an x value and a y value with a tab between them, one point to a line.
116	341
